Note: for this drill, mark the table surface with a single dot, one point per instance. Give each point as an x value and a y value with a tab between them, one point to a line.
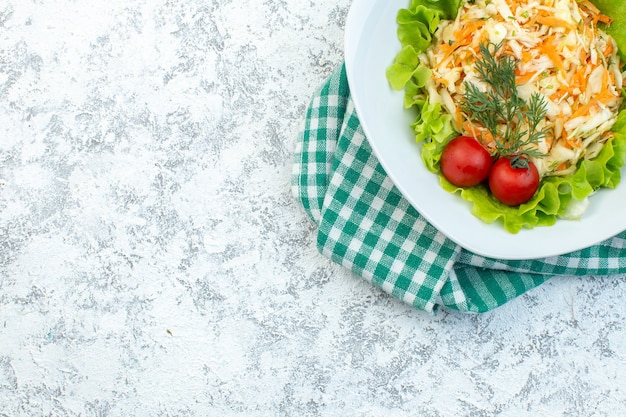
154	262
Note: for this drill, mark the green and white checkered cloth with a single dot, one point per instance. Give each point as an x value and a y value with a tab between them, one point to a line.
366	225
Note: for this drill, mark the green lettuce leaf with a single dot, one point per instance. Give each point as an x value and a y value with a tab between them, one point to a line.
434	128
416	26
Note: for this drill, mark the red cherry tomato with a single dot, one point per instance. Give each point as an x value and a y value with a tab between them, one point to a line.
464	162
513	186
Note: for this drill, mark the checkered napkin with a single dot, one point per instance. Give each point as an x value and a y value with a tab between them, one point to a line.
366	225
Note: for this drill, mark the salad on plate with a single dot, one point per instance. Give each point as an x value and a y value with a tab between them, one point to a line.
518	102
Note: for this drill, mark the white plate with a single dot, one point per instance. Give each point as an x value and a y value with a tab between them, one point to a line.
370	47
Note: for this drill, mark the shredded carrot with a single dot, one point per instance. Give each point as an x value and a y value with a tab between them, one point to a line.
463	37
574	143
560	93
549	140
548	48
606	97
580	78
456	45
480	133
459	118
526	56
524	78
605	19
584	109
469	29
594	13
590	6
563	135
441	80
555	22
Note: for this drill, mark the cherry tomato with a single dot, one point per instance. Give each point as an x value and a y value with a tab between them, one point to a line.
511	185
464	162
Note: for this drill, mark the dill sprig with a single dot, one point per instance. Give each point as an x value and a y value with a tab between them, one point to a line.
512	121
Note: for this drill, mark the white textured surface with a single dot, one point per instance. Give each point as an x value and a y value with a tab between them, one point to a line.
153	262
